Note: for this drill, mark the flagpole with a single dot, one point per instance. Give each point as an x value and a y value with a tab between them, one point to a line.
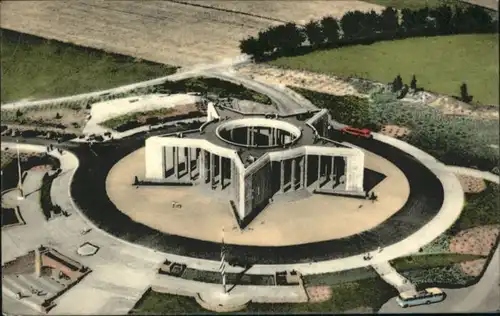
20	182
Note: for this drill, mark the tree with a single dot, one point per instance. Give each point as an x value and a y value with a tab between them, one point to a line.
403	92
357	25
251	46
413	84
285	38
476	19
464	94
314	33
416	22
331	29
19	113
388	22
442	16
397	84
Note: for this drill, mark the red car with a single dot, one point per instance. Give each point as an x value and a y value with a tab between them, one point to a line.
366	133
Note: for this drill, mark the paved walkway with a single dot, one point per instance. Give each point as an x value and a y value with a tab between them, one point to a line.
392	277
475	173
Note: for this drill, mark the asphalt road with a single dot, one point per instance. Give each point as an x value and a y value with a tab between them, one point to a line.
481	297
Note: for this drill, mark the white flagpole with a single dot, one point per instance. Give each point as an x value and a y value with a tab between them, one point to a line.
20	182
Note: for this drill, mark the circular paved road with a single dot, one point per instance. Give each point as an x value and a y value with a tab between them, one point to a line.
88	190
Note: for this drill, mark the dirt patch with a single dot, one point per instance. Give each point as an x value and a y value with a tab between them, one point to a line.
339	86
477	241
319	294
452	106
162	31
471	184
301	79
395	131
56	119
172	112
473	268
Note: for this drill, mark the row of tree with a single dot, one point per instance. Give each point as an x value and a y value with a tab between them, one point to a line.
357	27
398	86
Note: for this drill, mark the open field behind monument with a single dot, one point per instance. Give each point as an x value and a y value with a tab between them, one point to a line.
440	64
162	31
36	68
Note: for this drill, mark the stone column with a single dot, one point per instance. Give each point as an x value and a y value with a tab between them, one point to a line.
211	171
282	176
221	172
38	263
332	172
305	171
201	167
319	170
249	141
188	158
164	164
294	166
175	151
233	183
301	164
271	142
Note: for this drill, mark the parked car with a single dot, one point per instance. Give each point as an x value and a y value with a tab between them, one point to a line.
366	133
414	298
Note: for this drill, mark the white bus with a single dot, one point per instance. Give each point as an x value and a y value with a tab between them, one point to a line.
414	298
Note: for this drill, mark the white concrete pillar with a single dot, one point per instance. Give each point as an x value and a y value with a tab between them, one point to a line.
292	178
188	157
201	168
249	140
301	164
233	183
305	171
164	164
319	170
271	136
221	172
38	263
176	162
282	176
211	170
332	172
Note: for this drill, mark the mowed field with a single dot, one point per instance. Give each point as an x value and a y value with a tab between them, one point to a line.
172	33
440	64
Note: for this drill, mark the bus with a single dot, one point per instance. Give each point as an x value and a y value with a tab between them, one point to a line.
414	298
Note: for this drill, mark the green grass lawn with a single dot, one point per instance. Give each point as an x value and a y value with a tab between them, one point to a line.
371	292
440	63
34	68
480	209
431	261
